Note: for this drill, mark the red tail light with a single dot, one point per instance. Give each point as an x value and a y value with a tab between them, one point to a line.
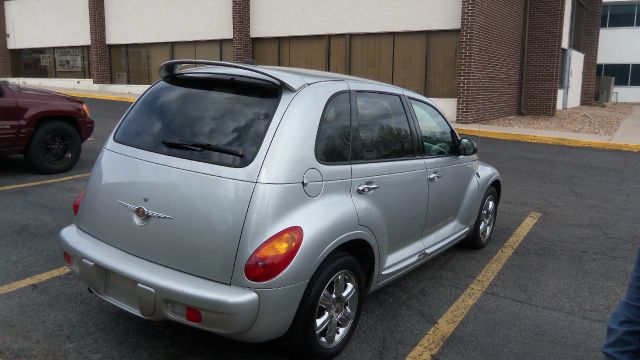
68	259
76	204
274	255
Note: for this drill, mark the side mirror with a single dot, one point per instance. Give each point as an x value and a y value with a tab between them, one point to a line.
467	147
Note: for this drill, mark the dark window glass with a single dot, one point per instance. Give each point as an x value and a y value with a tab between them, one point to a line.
436	134
383	127
230	114
599	70
334	134
622	15
635	75
605	16
619	71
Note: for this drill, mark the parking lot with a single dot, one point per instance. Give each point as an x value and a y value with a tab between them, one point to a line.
551	299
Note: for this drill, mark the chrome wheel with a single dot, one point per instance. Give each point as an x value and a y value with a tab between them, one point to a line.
336	309
487	217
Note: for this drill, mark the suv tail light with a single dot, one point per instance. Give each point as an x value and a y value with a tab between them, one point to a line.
77	202
274	255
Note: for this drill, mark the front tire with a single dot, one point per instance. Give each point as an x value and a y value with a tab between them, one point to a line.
329	311
54	148
485	222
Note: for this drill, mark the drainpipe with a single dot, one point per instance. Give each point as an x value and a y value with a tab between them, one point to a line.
524	55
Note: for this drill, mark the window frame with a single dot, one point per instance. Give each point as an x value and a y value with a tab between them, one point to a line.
452	131
356	144
636	20
324	110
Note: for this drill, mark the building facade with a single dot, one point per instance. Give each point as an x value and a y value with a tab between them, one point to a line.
619	51
478	59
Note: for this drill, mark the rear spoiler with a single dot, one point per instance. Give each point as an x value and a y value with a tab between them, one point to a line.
170	68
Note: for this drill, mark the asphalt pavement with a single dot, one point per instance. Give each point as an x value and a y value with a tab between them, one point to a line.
551	299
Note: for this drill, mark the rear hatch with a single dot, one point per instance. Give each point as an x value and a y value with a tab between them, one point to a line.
174	184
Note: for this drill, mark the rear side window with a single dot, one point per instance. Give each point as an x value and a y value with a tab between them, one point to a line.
383	128
334	134
218	121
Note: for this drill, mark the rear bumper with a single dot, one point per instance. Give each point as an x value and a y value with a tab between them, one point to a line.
156	292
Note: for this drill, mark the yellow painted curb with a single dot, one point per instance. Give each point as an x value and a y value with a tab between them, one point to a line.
550	140
99	96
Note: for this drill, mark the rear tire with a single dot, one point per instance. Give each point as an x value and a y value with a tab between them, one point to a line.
54	148
485	222
325	322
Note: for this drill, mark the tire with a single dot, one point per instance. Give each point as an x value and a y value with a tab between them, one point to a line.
54	148
479	238
301	339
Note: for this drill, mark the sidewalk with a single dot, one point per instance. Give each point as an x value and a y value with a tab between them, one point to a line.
627	137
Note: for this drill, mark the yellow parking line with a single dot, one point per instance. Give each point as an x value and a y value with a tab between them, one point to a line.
43	182
100	96
446	325
34	280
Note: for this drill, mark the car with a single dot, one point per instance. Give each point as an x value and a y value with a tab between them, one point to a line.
47	127
264	202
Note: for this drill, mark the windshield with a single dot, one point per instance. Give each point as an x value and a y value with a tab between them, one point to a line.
226	114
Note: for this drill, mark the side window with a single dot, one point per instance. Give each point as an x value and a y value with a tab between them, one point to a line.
334	135
383	127
436	134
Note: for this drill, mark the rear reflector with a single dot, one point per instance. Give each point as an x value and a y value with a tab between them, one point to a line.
77	202
194	315
68	259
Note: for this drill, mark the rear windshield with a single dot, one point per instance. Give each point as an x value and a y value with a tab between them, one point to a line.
219	121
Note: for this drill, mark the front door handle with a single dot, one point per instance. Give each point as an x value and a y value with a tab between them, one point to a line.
435	176
366	188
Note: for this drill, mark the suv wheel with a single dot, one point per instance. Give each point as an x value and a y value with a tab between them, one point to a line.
330	309
485	223
54	148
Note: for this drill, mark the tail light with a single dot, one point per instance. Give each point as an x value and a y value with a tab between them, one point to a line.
274	255
68	259
77	202
86	109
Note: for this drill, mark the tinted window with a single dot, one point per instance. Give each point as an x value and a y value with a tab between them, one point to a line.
437	137
605	16
619	71
622	15
334	134
383	127
635	75
231	114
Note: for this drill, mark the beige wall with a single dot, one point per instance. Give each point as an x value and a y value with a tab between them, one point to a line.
146	21
50	23
311	17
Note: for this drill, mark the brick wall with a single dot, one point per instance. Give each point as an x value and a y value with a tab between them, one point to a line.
544	57
99	51
489	59
5	59
591	41
241	31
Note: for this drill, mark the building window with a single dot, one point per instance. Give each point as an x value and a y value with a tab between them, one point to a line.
71	62
138	64
625	74
425	62
620	16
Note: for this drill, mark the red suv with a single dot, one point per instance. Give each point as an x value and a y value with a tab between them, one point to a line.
47	127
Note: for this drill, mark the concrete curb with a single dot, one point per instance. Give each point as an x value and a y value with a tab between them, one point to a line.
472	132
551	140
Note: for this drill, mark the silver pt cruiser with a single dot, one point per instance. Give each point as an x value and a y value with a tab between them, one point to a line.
259	202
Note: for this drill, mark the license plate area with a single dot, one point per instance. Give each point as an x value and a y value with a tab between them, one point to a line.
122	290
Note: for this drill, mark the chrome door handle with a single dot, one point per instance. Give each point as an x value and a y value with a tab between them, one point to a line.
366	188
434	177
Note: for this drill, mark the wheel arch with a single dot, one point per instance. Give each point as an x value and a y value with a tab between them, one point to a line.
63	118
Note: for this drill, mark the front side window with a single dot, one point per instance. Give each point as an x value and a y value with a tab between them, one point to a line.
334	134
383	128
437	136
205	119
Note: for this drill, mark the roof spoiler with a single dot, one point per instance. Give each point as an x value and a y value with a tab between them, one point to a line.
170	68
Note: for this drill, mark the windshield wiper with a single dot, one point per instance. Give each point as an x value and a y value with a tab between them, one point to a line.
196	146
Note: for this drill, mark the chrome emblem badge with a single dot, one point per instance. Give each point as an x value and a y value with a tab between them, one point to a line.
142	216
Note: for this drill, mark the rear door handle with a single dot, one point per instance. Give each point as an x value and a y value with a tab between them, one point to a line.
366	188
435	176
